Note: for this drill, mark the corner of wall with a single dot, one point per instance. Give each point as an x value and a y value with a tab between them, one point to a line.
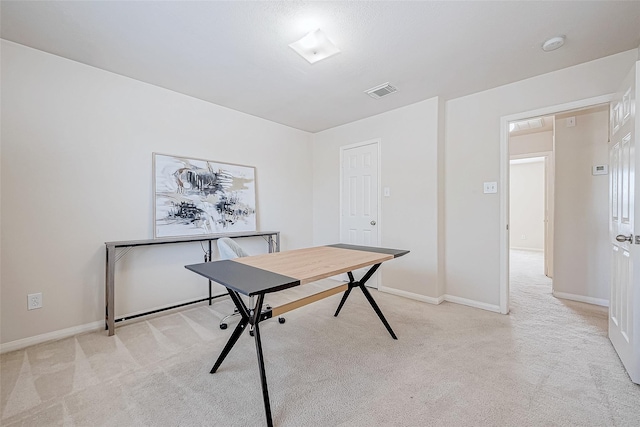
442	284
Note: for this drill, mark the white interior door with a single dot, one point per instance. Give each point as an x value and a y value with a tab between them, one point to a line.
360	197
624	304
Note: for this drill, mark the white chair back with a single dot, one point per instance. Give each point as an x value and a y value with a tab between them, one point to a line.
229	249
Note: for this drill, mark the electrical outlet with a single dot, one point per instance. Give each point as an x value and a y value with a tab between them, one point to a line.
34	301
490	187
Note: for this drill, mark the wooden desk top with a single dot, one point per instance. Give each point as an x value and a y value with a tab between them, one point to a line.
280	270
311	264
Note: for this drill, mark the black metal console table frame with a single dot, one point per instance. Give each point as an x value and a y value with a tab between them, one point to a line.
112	258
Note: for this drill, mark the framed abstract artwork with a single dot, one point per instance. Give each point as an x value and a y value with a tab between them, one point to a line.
196	196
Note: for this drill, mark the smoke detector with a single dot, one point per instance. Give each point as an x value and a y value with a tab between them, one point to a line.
381	90
553	43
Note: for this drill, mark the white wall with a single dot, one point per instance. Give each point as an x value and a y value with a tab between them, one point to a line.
526	205
76	168
581	244
472	156
409	167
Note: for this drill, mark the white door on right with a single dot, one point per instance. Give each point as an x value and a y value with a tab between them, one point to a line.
624	160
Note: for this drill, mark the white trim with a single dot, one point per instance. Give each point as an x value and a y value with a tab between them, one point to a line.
533	155
378	144
472	303
503	183
441	298
75	330
50	336
526	249
411	295
526	160
504	180
581	298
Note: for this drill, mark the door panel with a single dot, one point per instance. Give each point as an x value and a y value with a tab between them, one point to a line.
624	303
360	195
360	198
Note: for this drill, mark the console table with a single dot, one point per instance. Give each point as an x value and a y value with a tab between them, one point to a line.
273	240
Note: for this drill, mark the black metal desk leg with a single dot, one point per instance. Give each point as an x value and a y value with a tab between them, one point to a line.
242	309
263	376
361	285
377	310
346	293
344	298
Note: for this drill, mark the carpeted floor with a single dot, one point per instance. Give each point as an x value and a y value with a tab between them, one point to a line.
547	363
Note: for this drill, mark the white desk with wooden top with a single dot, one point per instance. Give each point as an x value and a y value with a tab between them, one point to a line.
258	275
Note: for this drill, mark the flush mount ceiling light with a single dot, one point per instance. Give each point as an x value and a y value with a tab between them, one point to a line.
553	43
315	46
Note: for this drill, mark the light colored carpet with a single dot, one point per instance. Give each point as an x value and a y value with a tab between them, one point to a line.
547	363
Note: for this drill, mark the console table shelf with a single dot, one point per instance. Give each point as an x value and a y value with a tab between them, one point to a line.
112	257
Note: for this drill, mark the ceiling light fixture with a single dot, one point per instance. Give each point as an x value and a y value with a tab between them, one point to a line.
315	46
553	43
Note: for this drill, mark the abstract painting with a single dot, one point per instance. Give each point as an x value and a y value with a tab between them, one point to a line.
195	196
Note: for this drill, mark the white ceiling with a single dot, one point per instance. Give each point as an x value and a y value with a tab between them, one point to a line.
236	54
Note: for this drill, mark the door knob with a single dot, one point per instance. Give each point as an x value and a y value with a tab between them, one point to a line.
623	238
372	223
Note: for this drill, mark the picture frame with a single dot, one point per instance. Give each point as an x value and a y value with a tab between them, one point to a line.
194	196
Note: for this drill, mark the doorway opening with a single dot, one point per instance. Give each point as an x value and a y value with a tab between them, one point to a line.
572	169
531	189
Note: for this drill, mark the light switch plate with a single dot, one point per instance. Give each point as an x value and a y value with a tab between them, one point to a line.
490	187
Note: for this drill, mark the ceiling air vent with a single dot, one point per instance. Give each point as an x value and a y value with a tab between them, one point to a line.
381	90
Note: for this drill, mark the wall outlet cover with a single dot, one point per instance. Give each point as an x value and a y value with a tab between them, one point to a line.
490	187
34	301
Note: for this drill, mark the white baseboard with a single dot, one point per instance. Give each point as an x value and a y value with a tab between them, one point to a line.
472	303
582	298
411	295
50	336
440	299
66	333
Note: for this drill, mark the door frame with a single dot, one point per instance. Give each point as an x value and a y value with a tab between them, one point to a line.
504	179
375	280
